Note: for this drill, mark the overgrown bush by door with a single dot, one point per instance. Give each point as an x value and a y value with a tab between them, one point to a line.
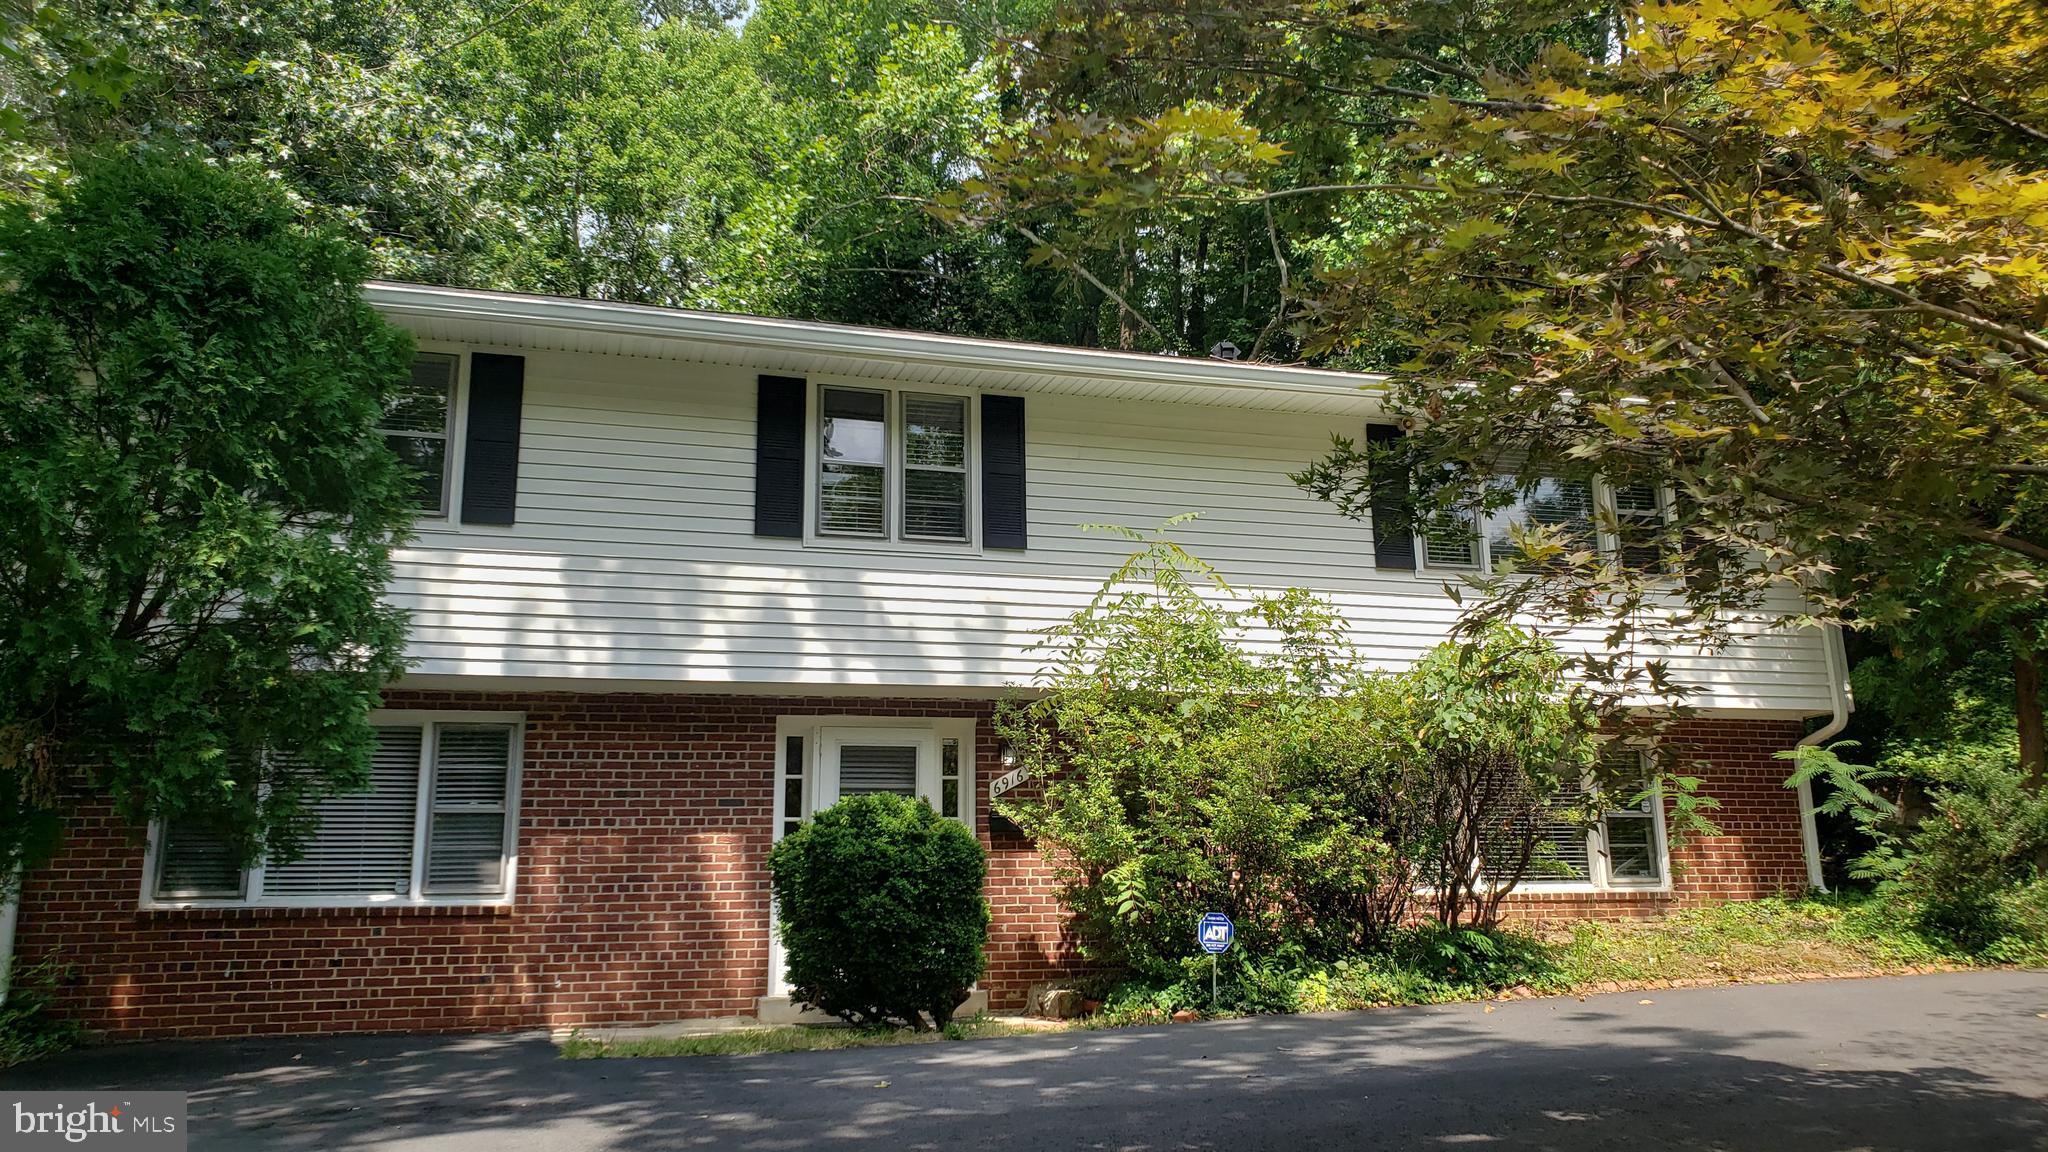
881	911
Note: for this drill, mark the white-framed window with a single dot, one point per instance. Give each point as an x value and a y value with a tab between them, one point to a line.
893	464
419	425
437	825
1583	509
1624	849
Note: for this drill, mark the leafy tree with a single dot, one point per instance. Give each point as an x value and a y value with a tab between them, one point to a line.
1782	260
196	514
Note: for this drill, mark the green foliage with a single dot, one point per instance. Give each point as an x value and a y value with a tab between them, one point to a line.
1973	866
29	1030
1199	753
881	911
1714	246
1958	848
195	509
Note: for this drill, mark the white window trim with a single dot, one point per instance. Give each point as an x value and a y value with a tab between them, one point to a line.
893	537
252	876
940	728
1604	511
458	435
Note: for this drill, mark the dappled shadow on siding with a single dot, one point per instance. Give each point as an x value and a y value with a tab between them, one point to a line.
1947	1068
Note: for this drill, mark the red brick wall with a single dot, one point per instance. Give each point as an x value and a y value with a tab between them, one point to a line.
642	896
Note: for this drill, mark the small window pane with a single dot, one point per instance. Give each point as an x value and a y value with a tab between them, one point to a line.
426	459
1639	518
1566	504
422	403
949	757
793	796
853	431
1452	546
466	835
850	500
935	504
195	863
949	798
934	432
466	852
1632	848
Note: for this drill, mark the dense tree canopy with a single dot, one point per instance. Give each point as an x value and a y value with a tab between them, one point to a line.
1781	260
196	513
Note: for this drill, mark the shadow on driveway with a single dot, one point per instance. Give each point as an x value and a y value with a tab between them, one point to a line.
1931	1062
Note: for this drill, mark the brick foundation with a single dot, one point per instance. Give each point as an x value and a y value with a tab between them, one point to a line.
642	894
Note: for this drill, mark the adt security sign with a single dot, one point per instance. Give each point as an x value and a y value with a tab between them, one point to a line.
1216	932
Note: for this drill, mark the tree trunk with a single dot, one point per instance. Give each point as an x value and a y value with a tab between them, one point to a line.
2026	677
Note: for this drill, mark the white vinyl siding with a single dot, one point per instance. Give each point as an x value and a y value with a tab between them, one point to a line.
635	562
435	825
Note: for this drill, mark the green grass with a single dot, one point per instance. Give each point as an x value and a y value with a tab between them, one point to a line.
1763	940
790	1038
1757	940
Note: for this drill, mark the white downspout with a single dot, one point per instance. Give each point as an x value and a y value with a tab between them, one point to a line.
7	913
1838	684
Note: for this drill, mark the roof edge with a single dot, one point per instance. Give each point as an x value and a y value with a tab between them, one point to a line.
743	331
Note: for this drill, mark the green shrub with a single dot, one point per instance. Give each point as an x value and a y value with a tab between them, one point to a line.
28	1029
881	911
1972	866
1198	753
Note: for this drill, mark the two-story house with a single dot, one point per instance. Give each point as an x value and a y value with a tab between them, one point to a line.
683	578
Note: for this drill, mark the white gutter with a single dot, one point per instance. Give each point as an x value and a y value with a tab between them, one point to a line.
765	333
1838	684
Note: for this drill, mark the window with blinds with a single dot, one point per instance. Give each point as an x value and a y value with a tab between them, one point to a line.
1558	848
866	768
1624	848
897	465
435	822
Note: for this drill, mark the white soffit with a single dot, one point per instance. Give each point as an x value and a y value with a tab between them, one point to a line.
804	348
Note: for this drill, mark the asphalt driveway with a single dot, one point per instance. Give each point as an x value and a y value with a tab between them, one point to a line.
1955	1061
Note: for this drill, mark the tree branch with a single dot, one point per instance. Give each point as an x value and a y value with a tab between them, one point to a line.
1079	270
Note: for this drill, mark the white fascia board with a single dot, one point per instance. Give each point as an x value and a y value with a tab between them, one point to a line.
747	333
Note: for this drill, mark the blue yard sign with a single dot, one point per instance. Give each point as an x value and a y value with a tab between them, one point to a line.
1216	932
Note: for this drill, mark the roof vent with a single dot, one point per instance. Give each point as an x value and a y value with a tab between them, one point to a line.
1224	350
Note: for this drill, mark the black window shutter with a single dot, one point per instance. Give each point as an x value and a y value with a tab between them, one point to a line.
490	449
779	457
1002	472
1393	535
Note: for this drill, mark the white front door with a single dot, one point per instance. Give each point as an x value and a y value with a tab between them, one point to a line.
836	762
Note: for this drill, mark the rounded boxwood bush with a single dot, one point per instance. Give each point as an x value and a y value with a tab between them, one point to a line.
881	910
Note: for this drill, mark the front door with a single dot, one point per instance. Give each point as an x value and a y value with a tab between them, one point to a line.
854	761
